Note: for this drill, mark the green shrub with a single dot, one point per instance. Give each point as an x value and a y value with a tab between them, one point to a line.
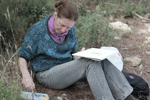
9	92
119	8
18	15
93	31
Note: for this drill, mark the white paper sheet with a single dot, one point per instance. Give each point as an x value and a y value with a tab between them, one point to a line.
95	53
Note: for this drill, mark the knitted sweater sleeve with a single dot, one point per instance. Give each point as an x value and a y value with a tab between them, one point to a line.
29	46
74	50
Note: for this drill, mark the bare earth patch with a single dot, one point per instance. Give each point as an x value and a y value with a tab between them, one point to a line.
133	45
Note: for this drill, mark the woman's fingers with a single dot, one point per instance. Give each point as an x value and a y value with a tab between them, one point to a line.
82	49
28	83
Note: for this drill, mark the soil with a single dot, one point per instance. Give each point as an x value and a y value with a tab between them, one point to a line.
130	45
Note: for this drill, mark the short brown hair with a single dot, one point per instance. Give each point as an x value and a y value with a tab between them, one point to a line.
67	10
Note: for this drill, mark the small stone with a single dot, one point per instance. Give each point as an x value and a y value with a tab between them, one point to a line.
121	27
147	52
147	16
117	38
135	61
59	98
141	66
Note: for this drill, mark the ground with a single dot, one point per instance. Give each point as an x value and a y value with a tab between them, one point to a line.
130	45
133	45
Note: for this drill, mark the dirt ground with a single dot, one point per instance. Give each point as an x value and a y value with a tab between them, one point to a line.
130	45
133	45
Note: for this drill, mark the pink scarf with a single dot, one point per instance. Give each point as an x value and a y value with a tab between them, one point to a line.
57	37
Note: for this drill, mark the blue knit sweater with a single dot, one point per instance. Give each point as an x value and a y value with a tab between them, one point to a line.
42	51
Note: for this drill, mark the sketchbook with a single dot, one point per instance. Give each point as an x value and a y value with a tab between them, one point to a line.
95	54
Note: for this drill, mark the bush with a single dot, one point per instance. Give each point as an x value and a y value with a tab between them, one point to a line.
117	8
18	15
93	30
9	92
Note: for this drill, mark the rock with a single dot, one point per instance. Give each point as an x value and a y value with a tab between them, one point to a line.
120	27
147	52
147	16
64	96
56	97
140	33
141	67
59	98
143	31
117	38
148	26
148	29
135	61
147	42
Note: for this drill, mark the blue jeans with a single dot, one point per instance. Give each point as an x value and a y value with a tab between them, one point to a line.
105	80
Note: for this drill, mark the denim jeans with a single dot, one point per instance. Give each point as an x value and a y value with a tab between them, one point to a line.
105	80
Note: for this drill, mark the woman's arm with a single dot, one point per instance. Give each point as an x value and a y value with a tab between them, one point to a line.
27	79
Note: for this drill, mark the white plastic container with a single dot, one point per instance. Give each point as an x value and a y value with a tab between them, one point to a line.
34	96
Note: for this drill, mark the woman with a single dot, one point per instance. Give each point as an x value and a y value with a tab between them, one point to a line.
49	45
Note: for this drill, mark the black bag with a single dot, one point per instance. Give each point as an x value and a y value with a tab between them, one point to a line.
140	86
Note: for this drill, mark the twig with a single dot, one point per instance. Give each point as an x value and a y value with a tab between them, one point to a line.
8	63
32	90
140	16
2	37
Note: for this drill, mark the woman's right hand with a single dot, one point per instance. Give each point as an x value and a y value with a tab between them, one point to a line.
28	83
26	77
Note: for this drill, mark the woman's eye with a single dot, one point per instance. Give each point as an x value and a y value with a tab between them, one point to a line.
63	25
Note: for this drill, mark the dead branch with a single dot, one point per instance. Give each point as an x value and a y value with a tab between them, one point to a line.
140	16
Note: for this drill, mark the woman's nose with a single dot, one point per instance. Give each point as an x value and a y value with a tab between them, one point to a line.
64	29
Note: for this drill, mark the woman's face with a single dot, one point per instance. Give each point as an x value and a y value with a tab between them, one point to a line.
62	25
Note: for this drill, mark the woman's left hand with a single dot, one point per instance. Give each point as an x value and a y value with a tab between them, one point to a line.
83	48
74	57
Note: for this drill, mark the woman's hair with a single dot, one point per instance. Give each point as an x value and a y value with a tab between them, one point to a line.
66	10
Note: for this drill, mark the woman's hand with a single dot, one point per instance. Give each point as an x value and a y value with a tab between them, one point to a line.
74	57
82	49
26	77
28	83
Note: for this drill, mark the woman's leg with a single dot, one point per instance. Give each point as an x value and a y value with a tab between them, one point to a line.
97	81
118	84
64	75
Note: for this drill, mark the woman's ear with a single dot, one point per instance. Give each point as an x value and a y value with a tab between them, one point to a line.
55	15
